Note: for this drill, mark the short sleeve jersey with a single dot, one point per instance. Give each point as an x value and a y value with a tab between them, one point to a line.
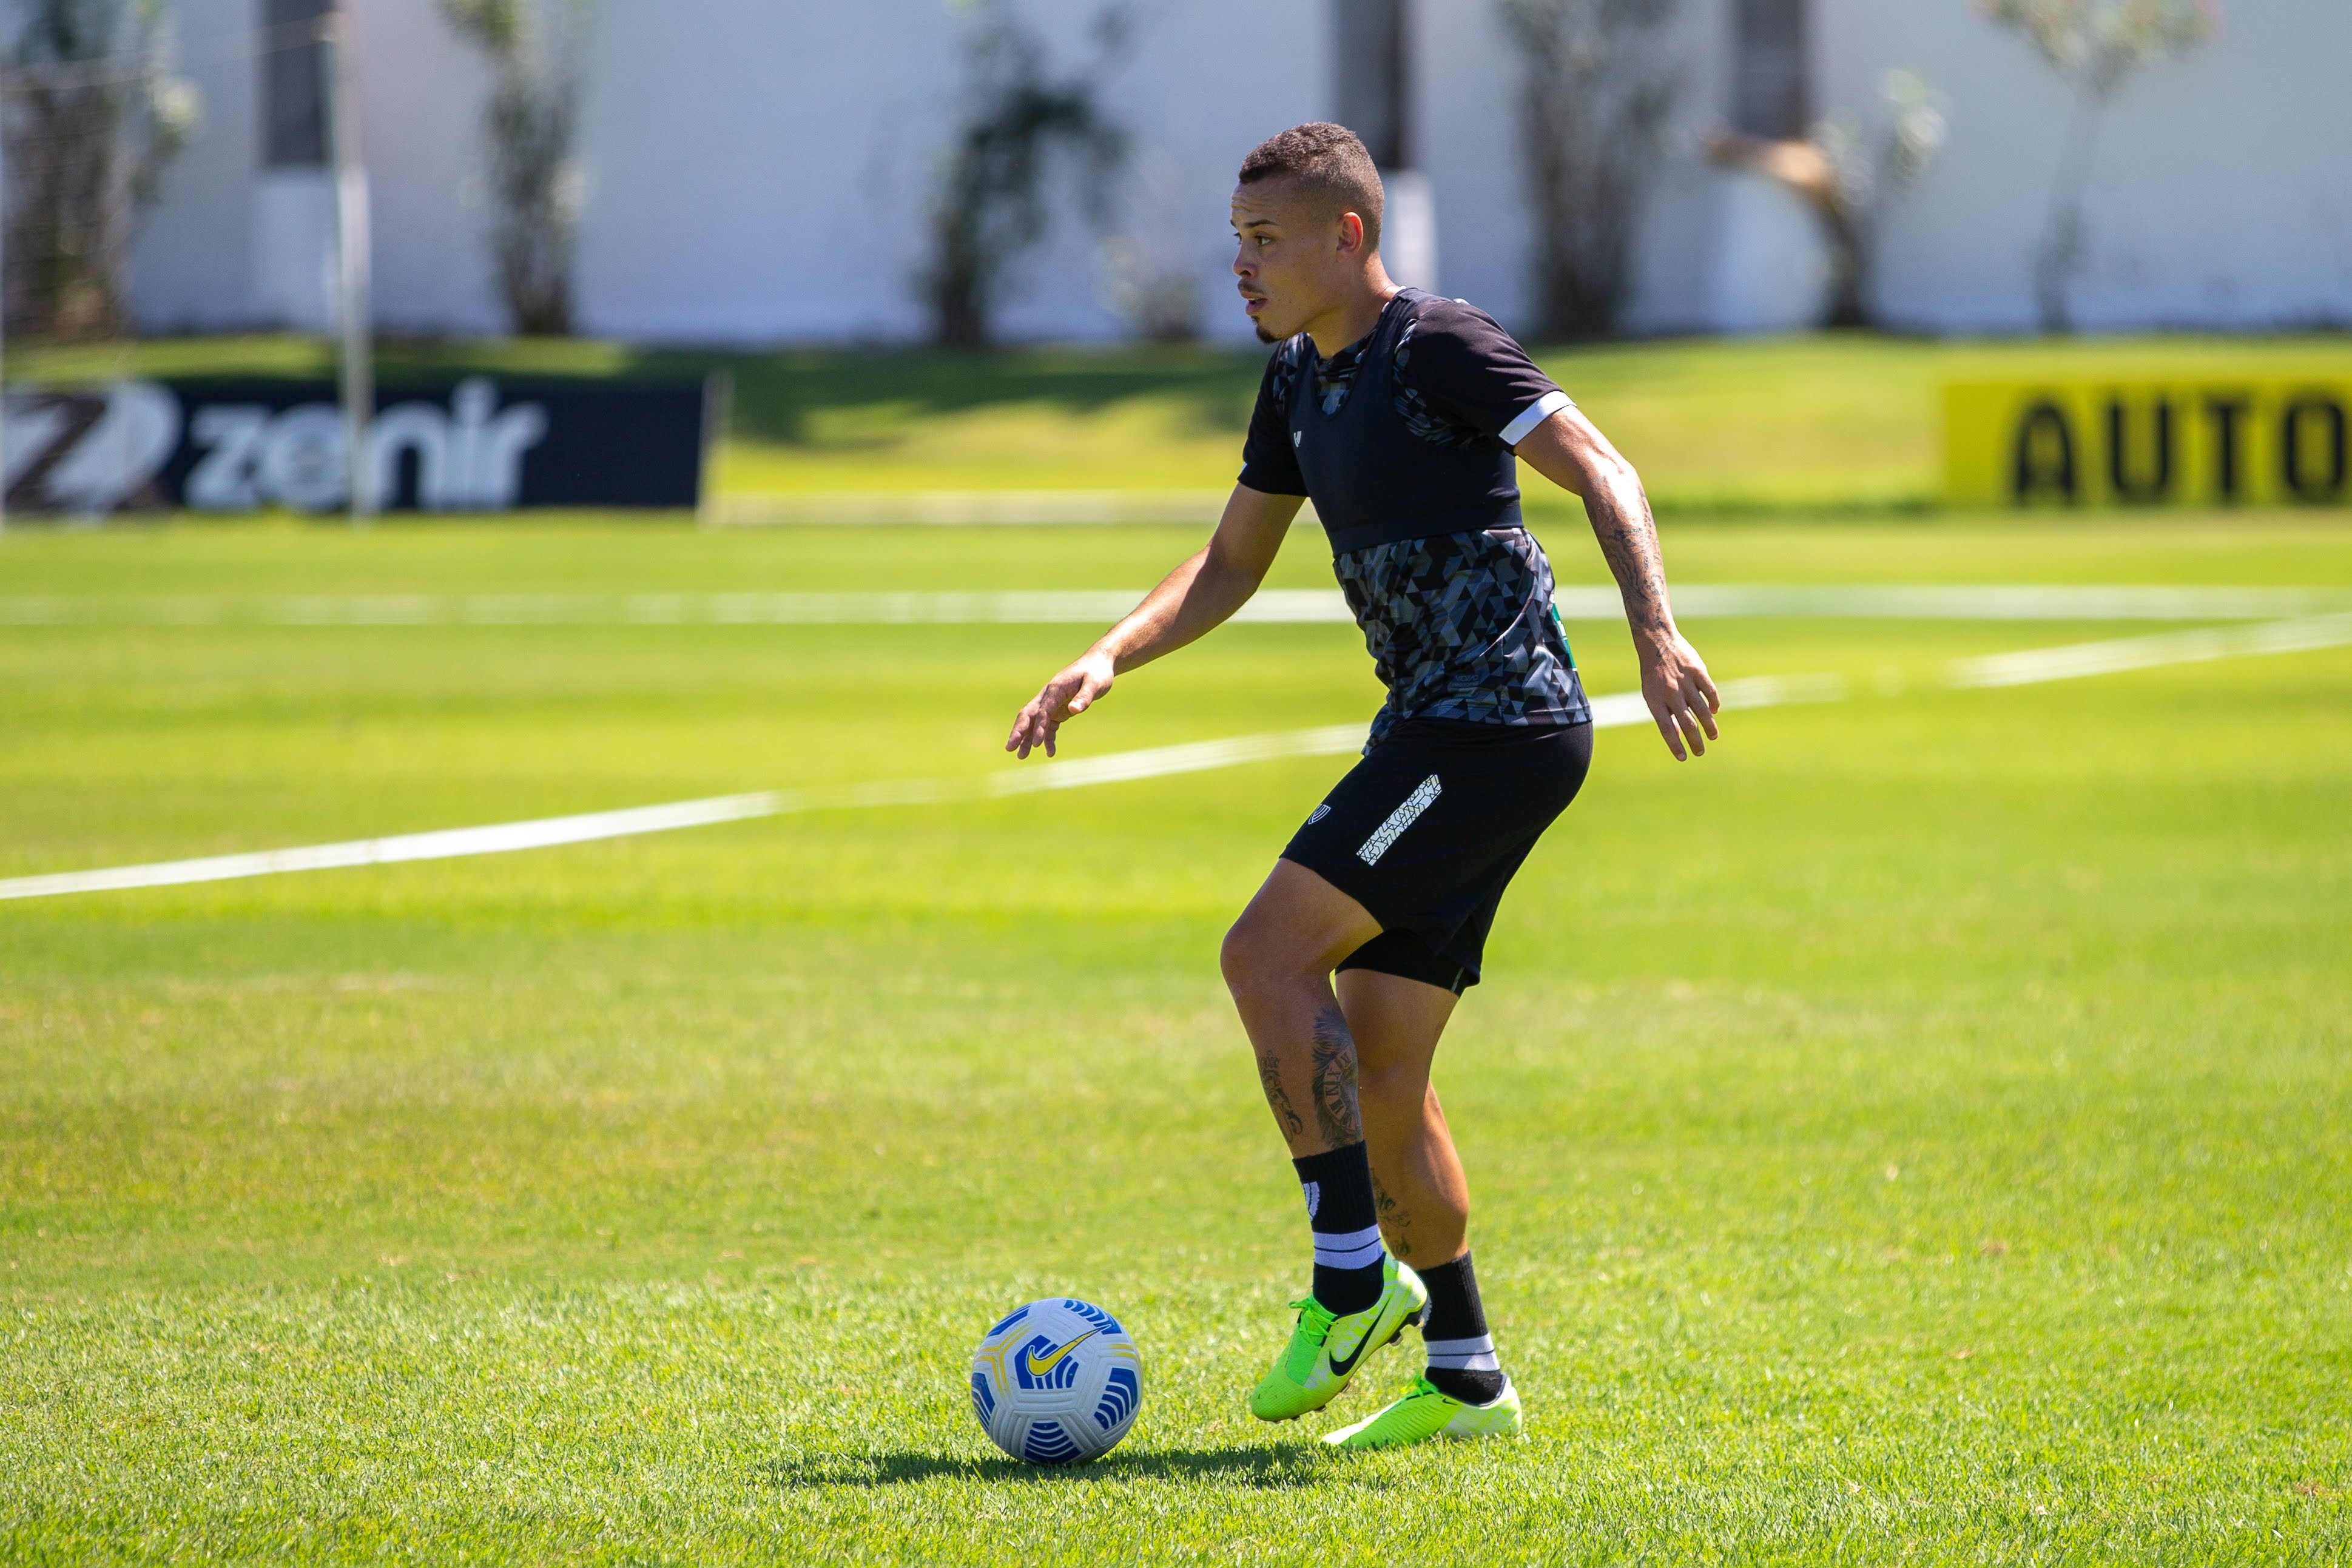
1403	440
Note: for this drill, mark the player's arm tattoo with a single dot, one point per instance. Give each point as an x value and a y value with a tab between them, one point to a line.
1277	1098
1629	540
1336	1111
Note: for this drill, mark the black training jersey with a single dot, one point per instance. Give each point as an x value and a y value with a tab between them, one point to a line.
1403	440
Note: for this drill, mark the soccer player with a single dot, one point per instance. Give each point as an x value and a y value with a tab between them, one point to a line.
1399	413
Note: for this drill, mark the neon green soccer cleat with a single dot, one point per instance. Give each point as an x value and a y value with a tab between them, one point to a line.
1426	1413
1325	1351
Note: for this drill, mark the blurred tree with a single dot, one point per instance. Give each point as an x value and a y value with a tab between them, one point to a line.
1152	265
991	205
536	185
2095	44
1601	78
1850	171
91	116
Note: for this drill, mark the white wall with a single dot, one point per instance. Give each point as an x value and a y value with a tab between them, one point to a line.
1463	132
422	91
759	171
1468	130
2218	198
191	266
765	175
755	175
196	266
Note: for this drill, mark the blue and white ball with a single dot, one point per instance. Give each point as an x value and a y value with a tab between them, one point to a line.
1057	1381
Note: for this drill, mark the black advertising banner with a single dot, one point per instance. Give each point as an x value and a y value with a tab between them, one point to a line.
480	444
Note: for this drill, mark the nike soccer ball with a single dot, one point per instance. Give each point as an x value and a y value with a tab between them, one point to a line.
1056	1382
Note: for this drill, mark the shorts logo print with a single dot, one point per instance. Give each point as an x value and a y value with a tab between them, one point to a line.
1400	819
1318	815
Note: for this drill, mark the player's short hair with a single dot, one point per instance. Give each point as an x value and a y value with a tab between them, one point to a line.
1331	166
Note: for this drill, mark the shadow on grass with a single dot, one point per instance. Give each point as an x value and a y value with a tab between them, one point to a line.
1267	1466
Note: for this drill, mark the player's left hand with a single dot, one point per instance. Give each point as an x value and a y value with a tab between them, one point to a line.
1681	695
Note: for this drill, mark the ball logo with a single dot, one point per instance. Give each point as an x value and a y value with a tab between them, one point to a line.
1042	1363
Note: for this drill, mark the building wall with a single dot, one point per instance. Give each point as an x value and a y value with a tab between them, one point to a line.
422	91
192	267
1711	249
2218	197
765	175
759	172
196	266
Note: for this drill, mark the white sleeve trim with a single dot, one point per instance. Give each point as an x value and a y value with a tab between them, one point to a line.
1535	414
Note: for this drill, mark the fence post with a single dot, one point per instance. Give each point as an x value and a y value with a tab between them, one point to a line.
339	84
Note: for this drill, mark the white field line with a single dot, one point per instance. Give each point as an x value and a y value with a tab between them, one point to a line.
1979	601
2080	659
1615	709
1295	606
1155	762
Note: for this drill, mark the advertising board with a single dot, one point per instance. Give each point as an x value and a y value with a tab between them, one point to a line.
475	444
2193	440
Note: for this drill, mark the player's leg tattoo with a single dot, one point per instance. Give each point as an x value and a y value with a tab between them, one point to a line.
1277	1098
1336	1111
1396	1220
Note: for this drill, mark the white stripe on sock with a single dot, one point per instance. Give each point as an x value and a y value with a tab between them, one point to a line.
1348	1249
1462	1355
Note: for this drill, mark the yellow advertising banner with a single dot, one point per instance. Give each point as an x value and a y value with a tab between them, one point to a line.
2199	439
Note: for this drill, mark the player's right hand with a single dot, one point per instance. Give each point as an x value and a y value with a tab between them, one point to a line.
1061	699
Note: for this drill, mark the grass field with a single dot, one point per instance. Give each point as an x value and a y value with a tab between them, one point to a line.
1851	422
1919	1132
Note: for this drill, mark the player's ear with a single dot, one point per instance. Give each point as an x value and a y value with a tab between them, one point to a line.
1352	234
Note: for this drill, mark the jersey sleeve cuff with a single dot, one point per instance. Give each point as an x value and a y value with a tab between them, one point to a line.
1535	414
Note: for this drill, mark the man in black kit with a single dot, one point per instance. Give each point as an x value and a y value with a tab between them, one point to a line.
1399	412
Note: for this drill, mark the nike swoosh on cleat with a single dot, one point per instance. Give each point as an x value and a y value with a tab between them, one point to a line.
1343	1368
1040	1368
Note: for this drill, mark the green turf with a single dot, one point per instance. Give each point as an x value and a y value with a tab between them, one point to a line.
1916	1133
1833	421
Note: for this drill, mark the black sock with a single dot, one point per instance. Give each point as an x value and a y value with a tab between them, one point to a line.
1348	1251
1461	1353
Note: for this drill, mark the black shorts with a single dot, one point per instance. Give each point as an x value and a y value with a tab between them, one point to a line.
1427	830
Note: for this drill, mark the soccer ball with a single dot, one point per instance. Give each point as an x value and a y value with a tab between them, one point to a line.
1056	1382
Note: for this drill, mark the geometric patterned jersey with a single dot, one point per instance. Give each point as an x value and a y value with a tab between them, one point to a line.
1461	626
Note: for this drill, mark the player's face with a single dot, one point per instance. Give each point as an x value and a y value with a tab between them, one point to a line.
1291	260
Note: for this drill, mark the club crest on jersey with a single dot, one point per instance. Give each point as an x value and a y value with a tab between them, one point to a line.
1318	815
